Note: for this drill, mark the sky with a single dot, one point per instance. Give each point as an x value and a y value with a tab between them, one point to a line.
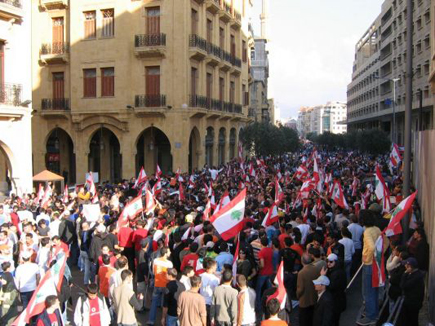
311	48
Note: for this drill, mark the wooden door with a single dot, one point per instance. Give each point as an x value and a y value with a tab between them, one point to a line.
153	21
152	83
57	35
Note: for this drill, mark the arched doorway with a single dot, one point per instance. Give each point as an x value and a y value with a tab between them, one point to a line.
5	173
221	148
105	155
60	157
232	143
153	147
194	148
209	142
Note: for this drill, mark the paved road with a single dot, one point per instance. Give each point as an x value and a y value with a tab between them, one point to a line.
348	318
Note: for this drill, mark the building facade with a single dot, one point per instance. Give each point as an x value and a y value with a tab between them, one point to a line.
376	94
330	117
124	84
15	99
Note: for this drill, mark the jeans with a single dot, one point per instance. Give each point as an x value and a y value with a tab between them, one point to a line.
172	321
86	264
370	294
156	302
347	267
261	280
25	298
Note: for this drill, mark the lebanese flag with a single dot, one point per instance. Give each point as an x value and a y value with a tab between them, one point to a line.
178	176
157	188
228	222
301	173
65	195
191	182
49	285
186	234
280	293
181	193
130	211
394	227
279	195
338	196
236	257
386	202
378	266
225	200
379	184
316	171
395	157
213	200
47	194
158	171
141	178
307	186
240	151
252	172
355	184
150	202
271	216
40	194
207	211
90	183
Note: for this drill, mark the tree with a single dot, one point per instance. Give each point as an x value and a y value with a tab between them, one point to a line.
267	139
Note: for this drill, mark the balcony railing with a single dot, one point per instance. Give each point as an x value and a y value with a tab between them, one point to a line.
251	112
15	3
237	15
204	102
150	101
150	40
196	41
55	104
226	6
10	94
214	50
236	61
55	48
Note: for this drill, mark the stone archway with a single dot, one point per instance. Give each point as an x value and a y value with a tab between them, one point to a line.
60	157
6	180
153	147
105	155
194	149
209	144
222	144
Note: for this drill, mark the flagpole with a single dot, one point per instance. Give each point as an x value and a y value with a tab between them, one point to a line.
354	277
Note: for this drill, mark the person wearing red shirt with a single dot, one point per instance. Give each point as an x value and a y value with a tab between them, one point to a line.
51	315
138	235
125	238
91	309
285	234
297	245
105	250
265	258
191	259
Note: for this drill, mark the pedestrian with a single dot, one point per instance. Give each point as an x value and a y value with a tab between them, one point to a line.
27	278
125	301
85	240
245	303
170	300
273	307
265	266
8	296
160	268
91	308
305	291
223	310
51	315
323	315
224	257
357	231
349	250
209	282
191	305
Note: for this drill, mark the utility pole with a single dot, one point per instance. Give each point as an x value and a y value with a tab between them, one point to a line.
408	114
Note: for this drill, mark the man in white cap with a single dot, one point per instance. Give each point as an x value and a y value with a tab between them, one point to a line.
322	311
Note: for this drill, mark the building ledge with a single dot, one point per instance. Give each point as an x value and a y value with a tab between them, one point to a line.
213	6
53	4
150	45
11	9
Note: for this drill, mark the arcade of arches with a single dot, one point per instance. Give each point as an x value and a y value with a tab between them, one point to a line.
116	154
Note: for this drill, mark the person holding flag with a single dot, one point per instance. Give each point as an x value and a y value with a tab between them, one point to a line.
91	308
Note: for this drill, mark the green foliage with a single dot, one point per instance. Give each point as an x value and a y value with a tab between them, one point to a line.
267	139
372	141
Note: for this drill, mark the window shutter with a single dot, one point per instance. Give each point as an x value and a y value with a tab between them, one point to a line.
58	85
89	83
90	24
108	23
57	39
153	21
107	82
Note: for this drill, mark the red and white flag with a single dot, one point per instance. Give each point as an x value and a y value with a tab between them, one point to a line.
150	202
187	234
301	173
141	178
240	151
236	258
271	216
252	172
338	196
158	171
225	200
207	211
178	176
355	184
90	183
65	195
279	194
228	222
130	211
192	182
157	188
394	227
395	157
280	293
181	192
46	197
40	194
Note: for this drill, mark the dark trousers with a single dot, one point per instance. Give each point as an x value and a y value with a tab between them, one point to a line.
207	307
306	316
409	315
356	261
25	298
129	253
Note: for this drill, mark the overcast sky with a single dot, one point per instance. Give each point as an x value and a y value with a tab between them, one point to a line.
312	45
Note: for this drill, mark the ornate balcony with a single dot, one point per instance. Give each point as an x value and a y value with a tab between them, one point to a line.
213	6
54	53
225	12
146	105
198	47
10	94
55	104
11	9
197	101
214	54
237	20
53	4
150	45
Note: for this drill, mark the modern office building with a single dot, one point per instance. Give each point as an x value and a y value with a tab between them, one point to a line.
376	94
122	84
15	98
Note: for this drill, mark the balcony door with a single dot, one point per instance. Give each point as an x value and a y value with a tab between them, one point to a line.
233	46
153	21
152	83
58	90
57	35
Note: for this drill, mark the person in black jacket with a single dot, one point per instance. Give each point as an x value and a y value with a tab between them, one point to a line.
98	240
335	247
337	287
412	285
323	315
395	291
51	314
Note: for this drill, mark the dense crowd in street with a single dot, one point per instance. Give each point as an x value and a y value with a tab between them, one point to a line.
311	222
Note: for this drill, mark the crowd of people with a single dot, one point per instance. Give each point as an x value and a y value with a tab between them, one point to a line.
174	266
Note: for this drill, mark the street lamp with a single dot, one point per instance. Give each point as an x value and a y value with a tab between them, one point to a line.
394	80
